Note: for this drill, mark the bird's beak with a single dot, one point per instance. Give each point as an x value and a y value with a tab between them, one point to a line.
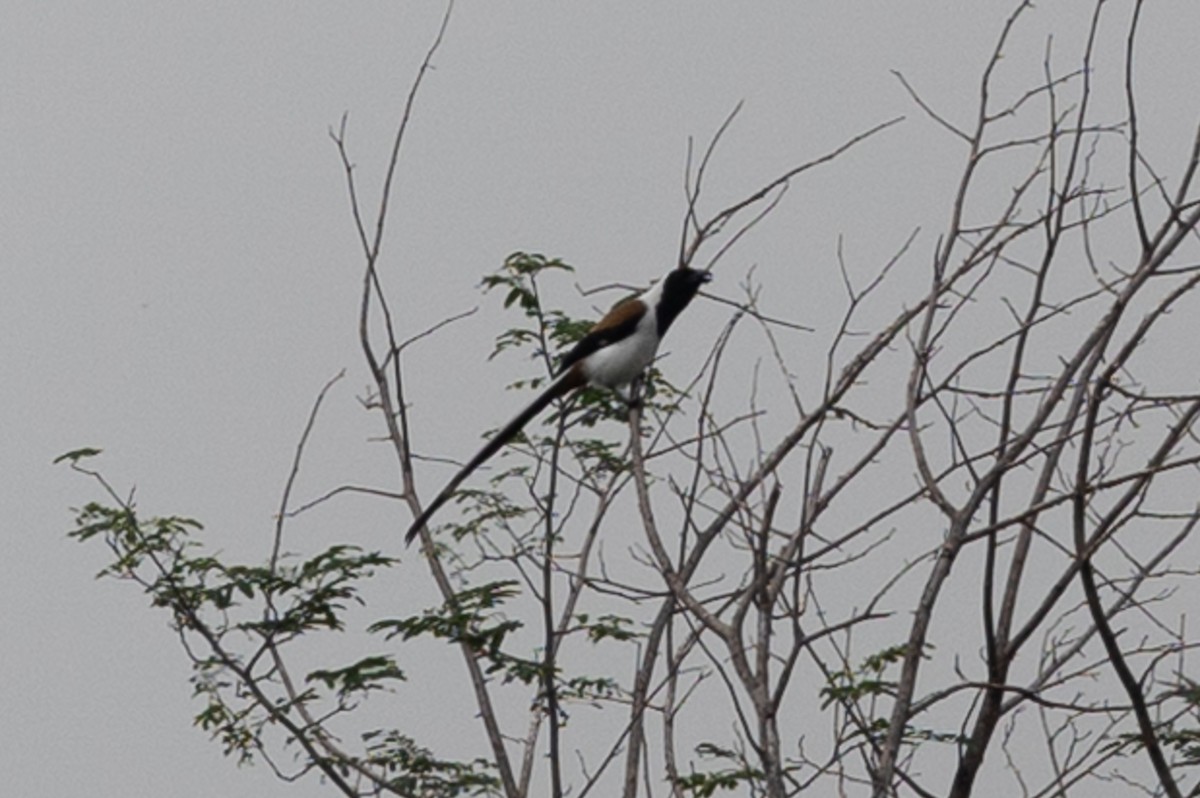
706	277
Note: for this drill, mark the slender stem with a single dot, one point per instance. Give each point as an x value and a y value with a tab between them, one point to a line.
549	643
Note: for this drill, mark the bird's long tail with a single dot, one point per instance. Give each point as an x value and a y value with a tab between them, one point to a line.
570	380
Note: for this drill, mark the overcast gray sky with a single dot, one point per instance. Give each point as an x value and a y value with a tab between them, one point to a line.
179	275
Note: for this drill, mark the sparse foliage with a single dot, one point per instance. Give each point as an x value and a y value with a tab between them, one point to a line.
708	593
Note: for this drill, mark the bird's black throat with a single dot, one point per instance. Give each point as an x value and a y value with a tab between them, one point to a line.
679	287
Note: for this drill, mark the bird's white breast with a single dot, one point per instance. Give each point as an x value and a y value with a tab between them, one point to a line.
619	363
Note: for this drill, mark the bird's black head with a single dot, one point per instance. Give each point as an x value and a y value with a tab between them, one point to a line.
679	286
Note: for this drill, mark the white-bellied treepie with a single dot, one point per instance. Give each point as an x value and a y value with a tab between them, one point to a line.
614	352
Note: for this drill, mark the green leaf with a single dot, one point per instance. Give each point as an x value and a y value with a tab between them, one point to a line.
610	627
468	619
76	455
362	676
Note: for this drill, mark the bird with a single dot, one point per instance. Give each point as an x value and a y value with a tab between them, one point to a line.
613	353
